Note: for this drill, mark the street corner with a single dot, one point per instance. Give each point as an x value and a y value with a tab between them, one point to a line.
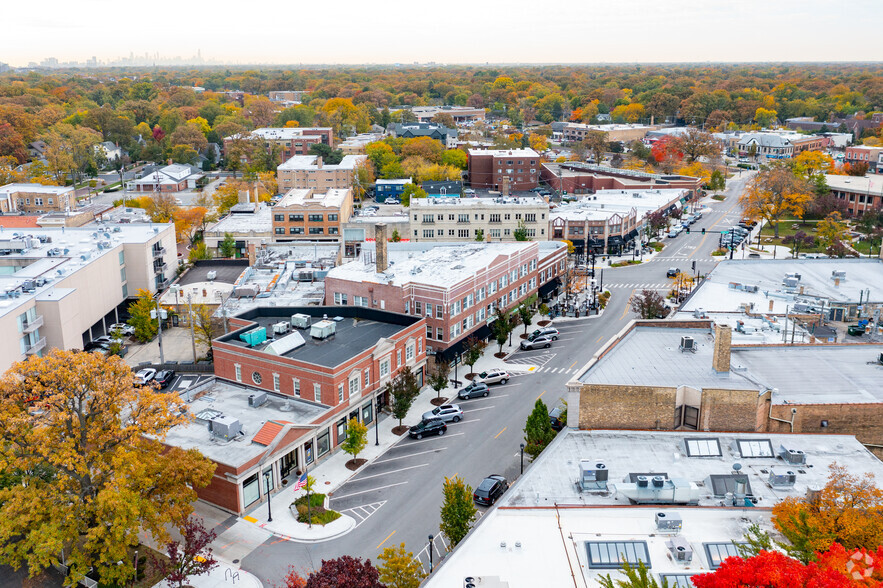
292	530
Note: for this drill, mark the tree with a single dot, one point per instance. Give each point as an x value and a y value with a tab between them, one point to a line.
345	572
426	147
473	347
161	207
656	221
525	311
831	229
501	327
189	134
635	577
437	376
400	568
811	164
479	235
455	158
189	222
520	233
458	512
183	154
596	142
799	240
538	431
773	193
227	247
696	144
848	510
139	316
329	155
412	191
718	181
12	144
764	117
395	237
198	252
192	558
402	390
444	119
204	328
356	438
81	416
648	304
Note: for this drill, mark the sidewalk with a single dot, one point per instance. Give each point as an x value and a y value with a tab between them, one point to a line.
225	574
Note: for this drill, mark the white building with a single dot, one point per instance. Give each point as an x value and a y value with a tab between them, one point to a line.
466	219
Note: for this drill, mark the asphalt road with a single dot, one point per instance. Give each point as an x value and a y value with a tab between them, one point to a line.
398	497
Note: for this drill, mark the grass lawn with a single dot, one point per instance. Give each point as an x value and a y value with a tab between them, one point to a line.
318	514
788	227
865	247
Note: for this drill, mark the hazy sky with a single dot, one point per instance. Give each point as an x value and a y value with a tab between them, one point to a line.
445	31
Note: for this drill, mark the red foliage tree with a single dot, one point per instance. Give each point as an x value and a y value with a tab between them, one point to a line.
345	572
158	133
666	148
192	558
11	143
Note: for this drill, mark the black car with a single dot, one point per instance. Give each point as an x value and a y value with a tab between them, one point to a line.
164	378
490	489
672	272
555	417
427	428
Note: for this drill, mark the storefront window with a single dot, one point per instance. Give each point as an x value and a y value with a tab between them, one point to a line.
308	451
368	413
251	490
323	443
341	430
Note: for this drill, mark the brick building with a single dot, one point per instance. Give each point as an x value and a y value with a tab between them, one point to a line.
37	198
454	286
574	132
464	219
489	167
311	215
280	404
864	154
309	171
290	141
574	177
682	375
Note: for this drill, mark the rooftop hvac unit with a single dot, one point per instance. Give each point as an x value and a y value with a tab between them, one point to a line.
593	475
688	344
790	282
669	521
210	276
255	336
838	274
782	478
300	321
792	456
224	427
258	399
323	329
680	549
662	491
281	327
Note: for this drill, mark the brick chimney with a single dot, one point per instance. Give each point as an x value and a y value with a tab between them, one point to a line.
505	189
380	245
319	162
723	338
252	254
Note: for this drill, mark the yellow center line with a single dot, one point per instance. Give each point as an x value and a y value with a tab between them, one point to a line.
541	394
599	339
500	433
571	365
385	540
455	475
627	308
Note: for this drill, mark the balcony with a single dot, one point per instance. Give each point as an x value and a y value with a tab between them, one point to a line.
30	327
36	347
159	251
160	268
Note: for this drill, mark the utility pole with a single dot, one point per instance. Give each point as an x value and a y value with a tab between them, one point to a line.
192	333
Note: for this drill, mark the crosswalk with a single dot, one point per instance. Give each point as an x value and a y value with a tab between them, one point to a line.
639	286
701	260
546	370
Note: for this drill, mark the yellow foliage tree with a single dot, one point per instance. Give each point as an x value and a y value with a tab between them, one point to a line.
811	163
831	229
765	117
630	113
84	445
538	143
774	193
696	170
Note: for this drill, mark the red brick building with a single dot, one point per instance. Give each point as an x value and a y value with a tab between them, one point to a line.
488	167
290	141
575	177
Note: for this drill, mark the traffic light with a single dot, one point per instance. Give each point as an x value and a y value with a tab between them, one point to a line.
703	231
694	265
688	230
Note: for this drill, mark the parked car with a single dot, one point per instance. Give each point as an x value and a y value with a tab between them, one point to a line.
391	201
474	389
492	377
469	191
427	428
164	378
369	212
145	376
555	417
674	233
127	330
490	489
550	331
672	272
544	341
106	340
445	412
855	330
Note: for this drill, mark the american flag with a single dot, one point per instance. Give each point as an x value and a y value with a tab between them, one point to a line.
301	482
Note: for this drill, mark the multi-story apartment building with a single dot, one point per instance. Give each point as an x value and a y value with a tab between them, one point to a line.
308	171
37	198
471	219
859	193
305	214
290	141
864	154
455	287
489	167
62	287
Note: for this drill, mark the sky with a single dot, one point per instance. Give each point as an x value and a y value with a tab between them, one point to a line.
450	31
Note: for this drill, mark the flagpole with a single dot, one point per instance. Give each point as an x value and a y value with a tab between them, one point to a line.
309	510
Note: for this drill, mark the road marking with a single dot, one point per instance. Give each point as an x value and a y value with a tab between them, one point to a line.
409	455
574	363
477	409
397	446
500	433
531	369
249	519
541	394
422	465
469	421
366	491
385	540
626	309
598	340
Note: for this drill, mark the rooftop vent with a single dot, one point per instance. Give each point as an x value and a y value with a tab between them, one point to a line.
782	478
256	400
225	427
593	475
680	549
792	456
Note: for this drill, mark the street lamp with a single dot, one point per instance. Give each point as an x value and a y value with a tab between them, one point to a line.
430	552
267	475
522	458
377	419
160	314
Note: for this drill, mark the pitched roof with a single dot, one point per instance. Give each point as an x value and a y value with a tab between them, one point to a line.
268	432
19	222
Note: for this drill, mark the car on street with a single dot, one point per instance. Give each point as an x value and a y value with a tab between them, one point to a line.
391	201
555	417
474	389
164	378
550	331
427	428
672	272
145	376
449	413
123	328
541	341
492	377
469	192
489	490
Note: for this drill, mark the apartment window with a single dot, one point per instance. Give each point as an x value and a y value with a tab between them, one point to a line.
440	333
428	233
340	298
238	369
296	386
427	218
428	309
533	264
530	218
495	233
531	232
455	308
504	281
507	217
122	258
367	378
439	311
38	201
462	218
50	202
295	218
507	232
450	217
450	232
360	300
296	230
275	382
317	392
463	233
398	357
492	287
409	352
495	218
440	217
340	392
279	218
332	218
122	274
418	307
316	218
280	230
384	368
316	230
514	275
428	332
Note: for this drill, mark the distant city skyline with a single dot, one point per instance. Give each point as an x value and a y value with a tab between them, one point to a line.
458	31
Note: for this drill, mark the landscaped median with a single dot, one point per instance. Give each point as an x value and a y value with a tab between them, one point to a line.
316	513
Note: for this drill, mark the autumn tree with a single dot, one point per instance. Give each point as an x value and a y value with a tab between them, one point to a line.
161	207
190	222
345	572
190	557
356	438
773	193
696	144
831	229
666	153
12	144
81	416
139	316
458	512
437	375
204	327
764	117
189	134
648	304
426	147
596	143
183	154
456	158
799	240
400	569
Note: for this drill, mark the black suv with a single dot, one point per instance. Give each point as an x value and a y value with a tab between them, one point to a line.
490	489
164	378
555	417
429	427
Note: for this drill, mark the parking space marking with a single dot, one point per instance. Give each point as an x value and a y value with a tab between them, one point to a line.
366	491
399	445
470	421
409	455
477	409
422	465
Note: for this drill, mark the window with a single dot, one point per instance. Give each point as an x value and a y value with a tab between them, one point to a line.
418	307
354	385
495	233
530	218
409	352
340	392
428	233
316	218
256	377
610	554
323	443
275	382
384	368
439	311
296	386
428	309
504	281
368	413
463	233
238	369
428	332
122	274
703	447
398	357
122	257
440	334
332	218
296	230
427	218
280	230
462	218
450	232
50	202
295	218
759	448
317	392
367	378
340	298
334	230
718	552
279	218
495	218
360	300
316	230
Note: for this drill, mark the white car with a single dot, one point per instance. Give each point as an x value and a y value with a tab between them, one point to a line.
369	212
492	377
145	376
122	328
391	201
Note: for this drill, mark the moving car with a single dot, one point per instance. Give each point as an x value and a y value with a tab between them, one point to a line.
445	412
123	328
472	390
427	428
544	341
492	377
490	489
164	378
145	376
672	272
550	331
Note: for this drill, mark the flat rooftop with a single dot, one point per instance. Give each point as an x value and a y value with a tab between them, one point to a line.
308	162
859	184
725	288
33	188
504	152
231	400
226	271
358	330
239	223
476	202
332	198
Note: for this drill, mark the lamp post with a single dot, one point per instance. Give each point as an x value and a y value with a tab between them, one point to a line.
430	552
192	334
522	458
159	315
267	475
377	419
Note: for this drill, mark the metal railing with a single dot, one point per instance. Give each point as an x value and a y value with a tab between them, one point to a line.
30	327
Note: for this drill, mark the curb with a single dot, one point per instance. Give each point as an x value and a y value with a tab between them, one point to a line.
351	524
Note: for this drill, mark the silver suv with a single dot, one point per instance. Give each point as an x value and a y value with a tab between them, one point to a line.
492	377
544	341
445	412
550	332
